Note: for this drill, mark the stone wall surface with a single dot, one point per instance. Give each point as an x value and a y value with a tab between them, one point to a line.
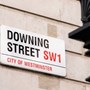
64	10
54	18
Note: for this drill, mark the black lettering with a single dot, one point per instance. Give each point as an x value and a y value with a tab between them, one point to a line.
37	52
46	43
32	52
15	47
26	50
35	41
9	34
16	36
23	38
9	46
31	40
21	49
40	42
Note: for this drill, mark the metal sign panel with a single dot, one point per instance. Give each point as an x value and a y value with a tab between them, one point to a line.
32	51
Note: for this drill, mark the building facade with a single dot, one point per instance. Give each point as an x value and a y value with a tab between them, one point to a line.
54	18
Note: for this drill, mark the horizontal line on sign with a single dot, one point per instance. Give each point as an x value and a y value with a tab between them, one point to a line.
32	60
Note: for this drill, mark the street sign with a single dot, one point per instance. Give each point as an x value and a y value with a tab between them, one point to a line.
32	51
